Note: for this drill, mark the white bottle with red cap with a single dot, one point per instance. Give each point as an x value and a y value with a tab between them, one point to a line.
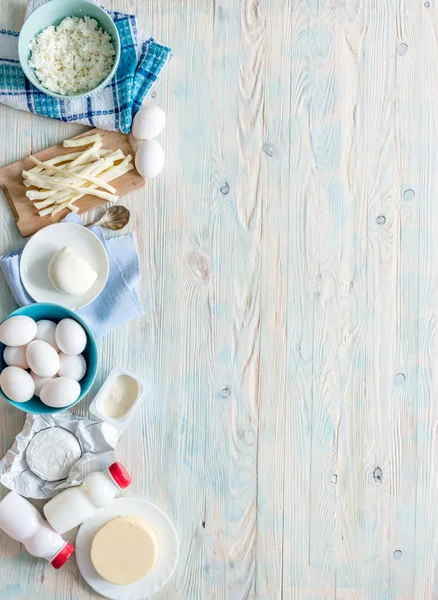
73	506
22	522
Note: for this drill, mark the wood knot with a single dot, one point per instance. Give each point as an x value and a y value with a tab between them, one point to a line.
378	475
199	265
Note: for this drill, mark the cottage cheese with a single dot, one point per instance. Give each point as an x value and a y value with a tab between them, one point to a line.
73	57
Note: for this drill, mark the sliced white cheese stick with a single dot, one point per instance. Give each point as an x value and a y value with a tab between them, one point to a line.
77	176
84	141
85	155
112	174
35	195
44	204
45	182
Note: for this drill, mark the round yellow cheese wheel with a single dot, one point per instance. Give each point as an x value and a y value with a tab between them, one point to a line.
124	550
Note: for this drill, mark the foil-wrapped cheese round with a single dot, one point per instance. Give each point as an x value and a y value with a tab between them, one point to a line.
42	358
70	337
17	331
52	452
60	392
17	384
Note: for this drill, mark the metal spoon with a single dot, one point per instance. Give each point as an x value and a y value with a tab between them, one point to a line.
115	218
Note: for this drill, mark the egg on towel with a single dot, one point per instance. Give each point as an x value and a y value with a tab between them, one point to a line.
42	358
60	392
71	337
17	331
148	122
17	384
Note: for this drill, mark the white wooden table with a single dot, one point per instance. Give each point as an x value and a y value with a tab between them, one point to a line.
290	287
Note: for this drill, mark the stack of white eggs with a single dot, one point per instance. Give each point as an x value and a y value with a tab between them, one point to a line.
148	123
44	359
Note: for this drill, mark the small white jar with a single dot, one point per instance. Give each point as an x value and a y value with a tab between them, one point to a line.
73	506
21	521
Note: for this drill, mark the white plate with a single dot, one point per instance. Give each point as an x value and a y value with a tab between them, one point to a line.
162	570
43	245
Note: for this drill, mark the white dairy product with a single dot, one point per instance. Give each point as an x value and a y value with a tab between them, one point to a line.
21	521
52	452
70	273
73	506
73	57
124	550
119	396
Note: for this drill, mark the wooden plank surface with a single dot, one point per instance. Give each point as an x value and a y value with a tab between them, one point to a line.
290	279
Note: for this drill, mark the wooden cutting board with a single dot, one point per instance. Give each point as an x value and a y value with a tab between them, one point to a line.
26	215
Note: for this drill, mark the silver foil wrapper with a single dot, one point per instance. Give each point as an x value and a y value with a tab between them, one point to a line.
96	439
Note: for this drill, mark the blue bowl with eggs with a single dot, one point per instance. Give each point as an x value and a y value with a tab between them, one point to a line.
56	313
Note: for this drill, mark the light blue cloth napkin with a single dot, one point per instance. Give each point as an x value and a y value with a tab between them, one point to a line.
117	304
114	107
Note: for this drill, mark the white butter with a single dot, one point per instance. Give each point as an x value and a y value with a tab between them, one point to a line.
124	550
52	452
70	273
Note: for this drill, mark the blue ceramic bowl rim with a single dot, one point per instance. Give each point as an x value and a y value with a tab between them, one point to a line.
91	374
34	79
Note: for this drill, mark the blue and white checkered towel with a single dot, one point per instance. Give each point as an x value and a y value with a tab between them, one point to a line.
112	108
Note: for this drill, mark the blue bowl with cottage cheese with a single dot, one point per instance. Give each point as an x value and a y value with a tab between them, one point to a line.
71	58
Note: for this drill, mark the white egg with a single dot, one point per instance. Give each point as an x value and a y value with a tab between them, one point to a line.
15	356
42	358
149	159
17	384
70	337
60	392
40	382
74	367
46	332
17	331
148	122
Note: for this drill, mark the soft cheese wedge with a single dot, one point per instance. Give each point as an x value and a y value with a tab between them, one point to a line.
70	273
124	550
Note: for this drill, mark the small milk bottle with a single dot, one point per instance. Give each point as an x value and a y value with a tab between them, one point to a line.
73	506
22	522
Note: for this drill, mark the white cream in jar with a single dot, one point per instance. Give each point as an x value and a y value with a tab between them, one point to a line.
119	397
